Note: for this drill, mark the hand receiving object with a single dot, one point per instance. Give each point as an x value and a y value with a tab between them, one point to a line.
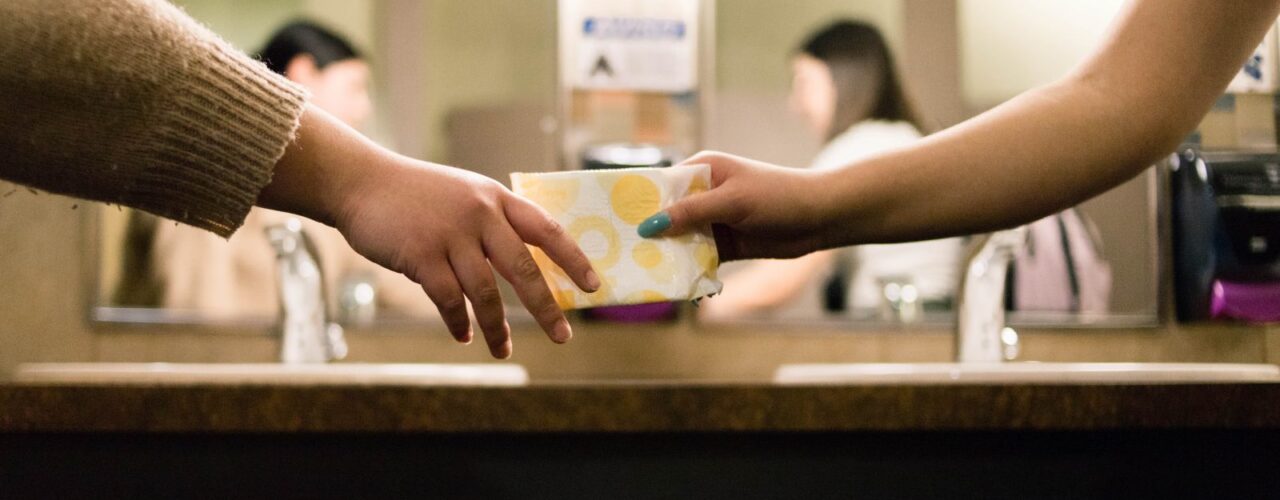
444	228
601	210
758	210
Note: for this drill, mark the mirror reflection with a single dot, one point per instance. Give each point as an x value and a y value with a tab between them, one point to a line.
815	84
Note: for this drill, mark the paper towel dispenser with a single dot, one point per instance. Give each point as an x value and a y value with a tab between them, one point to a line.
1226	235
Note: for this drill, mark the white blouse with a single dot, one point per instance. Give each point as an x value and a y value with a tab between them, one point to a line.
932	266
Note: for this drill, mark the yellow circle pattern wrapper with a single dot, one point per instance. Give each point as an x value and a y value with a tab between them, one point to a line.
579	228
647	254
554	195
600	210
707	256
634	199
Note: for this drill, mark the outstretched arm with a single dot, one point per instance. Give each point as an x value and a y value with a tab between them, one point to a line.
1147	86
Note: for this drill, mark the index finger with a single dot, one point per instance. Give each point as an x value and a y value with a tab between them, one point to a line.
536	227
720	164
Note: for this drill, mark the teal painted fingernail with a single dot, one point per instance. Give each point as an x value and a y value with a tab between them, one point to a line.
654	225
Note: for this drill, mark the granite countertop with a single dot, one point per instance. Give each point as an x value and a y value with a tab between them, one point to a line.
633	407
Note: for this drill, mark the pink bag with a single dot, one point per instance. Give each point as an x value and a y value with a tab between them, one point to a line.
1061	269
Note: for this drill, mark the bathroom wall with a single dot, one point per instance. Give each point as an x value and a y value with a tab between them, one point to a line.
42	306
248	23
1008	46
483	52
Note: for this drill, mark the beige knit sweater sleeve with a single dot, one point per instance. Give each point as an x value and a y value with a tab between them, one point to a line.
133	102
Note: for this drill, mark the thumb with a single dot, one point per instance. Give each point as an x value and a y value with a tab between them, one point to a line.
689	214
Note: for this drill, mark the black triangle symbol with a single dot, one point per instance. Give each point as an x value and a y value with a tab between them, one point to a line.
602	64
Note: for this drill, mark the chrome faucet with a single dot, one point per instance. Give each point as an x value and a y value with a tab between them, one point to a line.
981	334
307	336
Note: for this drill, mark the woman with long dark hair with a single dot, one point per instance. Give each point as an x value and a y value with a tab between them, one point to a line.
846	88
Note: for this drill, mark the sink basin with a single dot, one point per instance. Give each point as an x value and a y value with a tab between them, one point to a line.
1059	373
265	373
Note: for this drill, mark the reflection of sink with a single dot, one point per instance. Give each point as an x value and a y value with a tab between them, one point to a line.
1061	373
342	373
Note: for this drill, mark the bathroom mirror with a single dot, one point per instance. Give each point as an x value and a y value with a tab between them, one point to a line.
956	59
473	83
460	82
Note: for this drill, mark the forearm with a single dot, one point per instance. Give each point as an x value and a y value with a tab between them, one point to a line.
1045	151
1059	145
133	102
325	164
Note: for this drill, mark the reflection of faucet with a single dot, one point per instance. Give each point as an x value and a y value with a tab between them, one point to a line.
981	335
308	336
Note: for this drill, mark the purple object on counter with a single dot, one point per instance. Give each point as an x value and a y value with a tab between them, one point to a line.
1252	302
641	313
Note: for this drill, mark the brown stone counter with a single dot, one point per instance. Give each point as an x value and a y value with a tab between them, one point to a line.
633	407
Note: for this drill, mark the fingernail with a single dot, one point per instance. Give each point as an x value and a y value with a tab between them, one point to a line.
503	350
654	225
561	332
593	280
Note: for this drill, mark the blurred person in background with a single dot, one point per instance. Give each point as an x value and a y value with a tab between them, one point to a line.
846	88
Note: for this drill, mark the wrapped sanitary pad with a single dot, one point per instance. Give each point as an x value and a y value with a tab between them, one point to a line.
601	210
